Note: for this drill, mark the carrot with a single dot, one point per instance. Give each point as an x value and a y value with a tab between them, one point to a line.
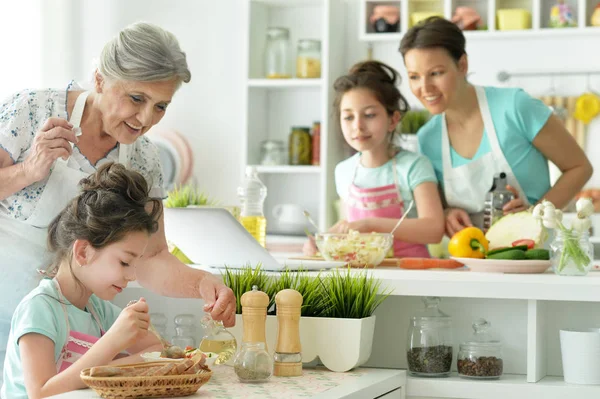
429	263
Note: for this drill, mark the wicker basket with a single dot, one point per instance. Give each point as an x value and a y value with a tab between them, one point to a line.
169	386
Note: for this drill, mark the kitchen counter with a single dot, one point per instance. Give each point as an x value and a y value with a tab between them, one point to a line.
317	383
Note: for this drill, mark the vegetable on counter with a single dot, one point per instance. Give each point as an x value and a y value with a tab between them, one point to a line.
470	242
529	243
428	263
516	226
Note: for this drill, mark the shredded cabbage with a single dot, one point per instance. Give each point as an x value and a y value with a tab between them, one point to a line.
355	248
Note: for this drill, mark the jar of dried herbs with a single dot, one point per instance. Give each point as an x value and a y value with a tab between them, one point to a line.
253	363
481	356
429	349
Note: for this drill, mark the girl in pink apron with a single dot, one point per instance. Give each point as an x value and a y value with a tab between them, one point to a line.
375	182
67	323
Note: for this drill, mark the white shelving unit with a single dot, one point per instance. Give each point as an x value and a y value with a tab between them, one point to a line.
271	107
539	9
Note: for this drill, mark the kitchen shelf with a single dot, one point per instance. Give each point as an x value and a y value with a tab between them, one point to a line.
508	386
284	83
539	9
288	169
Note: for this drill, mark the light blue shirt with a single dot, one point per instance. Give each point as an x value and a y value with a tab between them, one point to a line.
518	118
412	169
40	312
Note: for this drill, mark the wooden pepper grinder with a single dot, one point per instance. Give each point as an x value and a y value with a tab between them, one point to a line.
254	315
288	358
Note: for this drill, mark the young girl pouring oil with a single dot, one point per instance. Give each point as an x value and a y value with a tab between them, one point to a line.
380	180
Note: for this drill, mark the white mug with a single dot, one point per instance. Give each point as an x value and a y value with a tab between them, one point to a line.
289	213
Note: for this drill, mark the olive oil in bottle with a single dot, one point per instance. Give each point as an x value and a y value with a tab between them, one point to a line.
225	349
252	194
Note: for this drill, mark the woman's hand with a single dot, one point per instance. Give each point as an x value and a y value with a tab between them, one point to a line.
51	142
219	300
456	220
515	205
130	326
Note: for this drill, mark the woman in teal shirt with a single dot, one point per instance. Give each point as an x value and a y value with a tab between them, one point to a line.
478	132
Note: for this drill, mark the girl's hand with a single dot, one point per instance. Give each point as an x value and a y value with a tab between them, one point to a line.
130	326
341	227
456	220
51	142
310	247
515	205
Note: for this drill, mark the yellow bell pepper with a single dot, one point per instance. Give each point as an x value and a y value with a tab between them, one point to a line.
470	242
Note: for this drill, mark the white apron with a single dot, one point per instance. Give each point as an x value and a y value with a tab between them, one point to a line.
23	243
466	186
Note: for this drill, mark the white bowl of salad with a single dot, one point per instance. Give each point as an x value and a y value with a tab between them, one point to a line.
357	249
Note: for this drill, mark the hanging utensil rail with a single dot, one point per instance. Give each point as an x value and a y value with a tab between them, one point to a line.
504	76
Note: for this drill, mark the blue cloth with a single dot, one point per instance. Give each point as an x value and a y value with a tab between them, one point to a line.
412	169
517	118
40	312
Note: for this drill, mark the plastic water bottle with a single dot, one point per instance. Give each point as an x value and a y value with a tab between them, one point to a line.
252	194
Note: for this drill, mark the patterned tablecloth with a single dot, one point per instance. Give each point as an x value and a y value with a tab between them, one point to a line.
225	384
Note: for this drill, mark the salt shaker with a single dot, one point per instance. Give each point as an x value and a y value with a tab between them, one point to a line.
288	359
254	315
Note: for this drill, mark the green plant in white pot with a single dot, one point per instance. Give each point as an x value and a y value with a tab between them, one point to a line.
337	323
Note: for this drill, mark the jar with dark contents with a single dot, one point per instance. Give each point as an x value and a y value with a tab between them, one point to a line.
429	349
300	146
481	356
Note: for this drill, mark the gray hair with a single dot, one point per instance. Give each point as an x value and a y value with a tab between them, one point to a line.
144	52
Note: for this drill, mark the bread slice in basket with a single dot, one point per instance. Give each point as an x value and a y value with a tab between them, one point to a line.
153	369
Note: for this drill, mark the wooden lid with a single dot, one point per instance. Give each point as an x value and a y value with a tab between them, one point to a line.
288	298
255	299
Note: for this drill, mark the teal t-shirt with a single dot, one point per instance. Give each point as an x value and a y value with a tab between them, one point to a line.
517	118
412	169
41	312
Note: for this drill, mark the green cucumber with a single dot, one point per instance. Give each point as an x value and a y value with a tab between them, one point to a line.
505	249
512	254
537	254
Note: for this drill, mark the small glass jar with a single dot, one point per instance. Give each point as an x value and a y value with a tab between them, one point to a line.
429	349
253	363
481	356
217	340
185	331
308	59
277	54
571	253
300	146
272	152
159	321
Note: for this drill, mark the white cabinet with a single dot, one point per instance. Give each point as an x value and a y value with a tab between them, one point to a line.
271	107
539	11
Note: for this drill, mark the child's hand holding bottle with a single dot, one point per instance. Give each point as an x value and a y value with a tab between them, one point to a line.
131	325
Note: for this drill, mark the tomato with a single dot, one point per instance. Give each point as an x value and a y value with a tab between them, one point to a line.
530	243
189	348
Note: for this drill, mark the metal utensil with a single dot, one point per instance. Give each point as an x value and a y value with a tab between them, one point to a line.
311	221
151	328
403	216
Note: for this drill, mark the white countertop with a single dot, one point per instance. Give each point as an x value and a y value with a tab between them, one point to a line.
373	383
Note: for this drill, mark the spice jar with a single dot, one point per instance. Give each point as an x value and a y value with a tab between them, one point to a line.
253	363
308	60
429	349
300	146
481	356
217	340
277	53
272	152
185	331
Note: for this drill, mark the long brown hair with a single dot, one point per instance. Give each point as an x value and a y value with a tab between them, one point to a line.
113	202
435	32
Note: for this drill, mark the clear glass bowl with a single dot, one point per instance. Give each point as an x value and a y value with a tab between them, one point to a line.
358	249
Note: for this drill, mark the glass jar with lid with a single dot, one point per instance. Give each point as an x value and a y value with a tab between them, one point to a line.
185	331
308	59
277	53
217	339
272	152
481	356
253	363
429	349
300	146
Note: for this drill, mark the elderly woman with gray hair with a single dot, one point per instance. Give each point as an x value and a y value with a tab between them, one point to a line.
51	139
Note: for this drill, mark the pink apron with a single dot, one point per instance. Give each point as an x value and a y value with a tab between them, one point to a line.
382	202
77	343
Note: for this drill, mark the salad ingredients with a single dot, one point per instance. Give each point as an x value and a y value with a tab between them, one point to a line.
516	226
470	242
513	254
504	249
529	243
358	250
537	254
